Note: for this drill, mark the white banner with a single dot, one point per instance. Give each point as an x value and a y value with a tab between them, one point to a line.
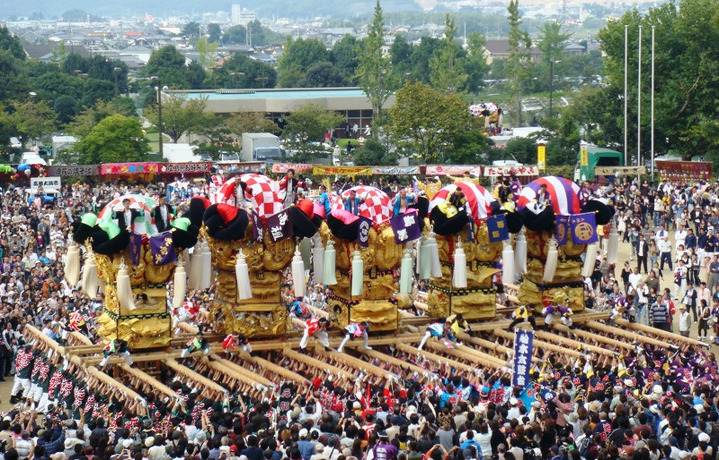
45	182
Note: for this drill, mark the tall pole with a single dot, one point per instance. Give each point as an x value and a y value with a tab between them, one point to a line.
626	101
159	111
551	87
652	110
639	100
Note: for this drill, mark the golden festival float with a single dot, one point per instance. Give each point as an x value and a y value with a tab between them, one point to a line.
560	228
130	270
470	233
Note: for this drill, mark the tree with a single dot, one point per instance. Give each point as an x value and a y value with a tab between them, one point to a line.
13	80
168	64
250	122
305	129
65	108
243	72
517	62
374	72
11	44
191	30
447	71
180	116
32	118
401	55
235	35
344	57
86	120
373	153
115	139
206	52
297	57
428	122
551	43
421	57
471	147
214	33
216	139
323	75
476	63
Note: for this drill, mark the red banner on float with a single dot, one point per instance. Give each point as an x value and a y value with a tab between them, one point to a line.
120	169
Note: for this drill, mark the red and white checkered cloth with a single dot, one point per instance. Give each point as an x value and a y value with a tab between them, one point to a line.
263	193
478	198
374	203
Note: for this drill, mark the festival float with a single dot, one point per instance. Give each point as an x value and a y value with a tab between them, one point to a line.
369	257
251	240
560	228
467	234
131	270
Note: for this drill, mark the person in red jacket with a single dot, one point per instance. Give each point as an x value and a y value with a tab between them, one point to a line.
315	327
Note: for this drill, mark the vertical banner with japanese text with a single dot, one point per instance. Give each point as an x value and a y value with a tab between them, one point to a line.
523	340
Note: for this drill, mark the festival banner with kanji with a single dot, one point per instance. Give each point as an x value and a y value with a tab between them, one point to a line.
518	170
282	168
562	227
135	248
406	227
257	228
163	251
279	226
185	168
453	170
497	228
523	342
395	170
342	171
583	228
64	171
119	169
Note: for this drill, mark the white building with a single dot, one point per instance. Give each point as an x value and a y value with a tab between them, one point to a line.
240	16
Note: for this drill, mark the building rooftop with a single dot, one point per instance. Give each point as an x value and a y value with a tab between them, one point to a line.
291	93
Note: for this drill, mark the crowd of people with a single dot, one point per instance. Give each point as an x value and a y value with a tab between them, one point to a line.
638	401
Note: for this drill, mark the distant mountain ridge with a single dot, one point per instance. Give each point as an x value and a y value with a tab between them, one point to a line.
167	8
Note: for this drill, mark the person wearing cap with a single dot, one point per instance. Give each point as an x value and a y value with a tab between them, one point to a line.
443	332
355	330
316	327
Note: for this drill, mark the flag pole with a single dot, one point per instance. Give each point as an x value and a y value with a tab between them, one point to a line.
639	100
626	67
652	109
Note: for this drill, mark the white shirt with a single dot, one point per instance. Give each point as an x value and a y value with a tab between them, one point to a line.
634	280
684	322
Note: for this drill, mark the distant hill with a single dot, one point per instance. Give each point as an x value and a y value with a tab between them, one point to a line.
164	8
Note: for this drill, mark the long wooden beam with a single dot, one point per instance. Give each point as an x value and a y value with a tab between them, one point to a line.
204	382
391	359
148	379
560	340
434	357
231	372
354	362
316	363
592	336
279	370
540	343
241	370
464	353
660	333
627	334
484	343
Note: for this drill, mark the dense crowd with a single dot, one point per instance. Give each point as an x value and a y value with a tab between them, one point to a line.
638	401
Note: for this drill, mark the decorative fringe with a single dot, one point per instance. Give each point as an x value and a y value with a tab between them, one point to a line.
72	265
196	267
318	260
124	288
459	278
357	274
329	266
405	273
298	274
550	266
242	276
612	246
436	267
507	264
520	253
206	275
590	260
179	285
89	276
425	260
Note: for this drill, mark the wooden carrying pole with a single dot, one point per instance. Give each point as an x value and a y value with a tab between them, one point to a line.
241	370
574	343
205	383
627	334
434	357
279	370
232	373
496	347
391	359
540	344
316	363
591	336
465	354
659	332
354	362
